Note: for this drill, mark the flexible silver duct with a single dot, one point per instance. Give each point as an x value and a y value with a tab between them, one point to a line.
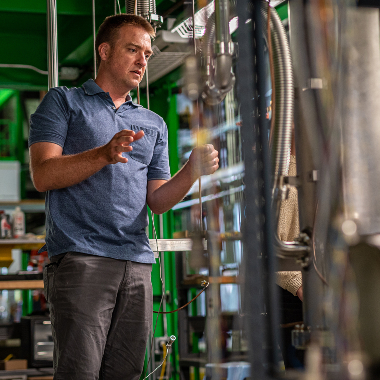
144	7
284	93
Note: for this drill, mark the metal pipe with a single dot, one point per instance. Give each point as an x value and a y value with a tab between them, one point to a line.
94	35
52	43
222	26
197	110
308	151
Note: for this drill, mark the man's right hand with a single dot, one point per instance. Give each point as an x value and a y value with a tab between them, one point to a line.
120	143
51	170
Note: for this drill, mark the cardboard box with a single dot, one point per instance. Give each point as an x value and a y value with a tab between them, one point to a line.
13	364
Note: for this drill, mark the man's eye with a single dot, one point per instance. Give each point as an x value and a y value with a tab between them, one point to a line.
147	57
132	50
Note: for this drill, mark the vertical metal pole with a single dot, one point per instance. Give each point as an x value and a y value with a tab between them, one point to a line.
268	255
115	7
94	35
52	43
197	110
308	151
147	93
252	292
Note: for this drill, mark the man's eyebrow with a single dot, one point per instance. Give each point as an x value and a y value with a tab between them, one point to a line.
150	52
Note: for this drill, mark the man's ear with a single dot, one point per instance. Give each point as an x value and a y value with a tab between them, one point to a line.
104	50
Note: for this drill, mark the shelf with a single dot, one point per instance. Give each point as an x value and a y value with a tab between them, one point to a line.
26	205
21	281
21	284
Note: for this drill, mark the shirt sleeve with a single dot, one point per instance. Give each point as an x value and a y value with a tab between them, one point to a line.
159	165
50	121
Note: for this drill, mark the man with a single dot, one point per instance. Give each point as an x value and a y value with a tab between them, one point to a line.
102	159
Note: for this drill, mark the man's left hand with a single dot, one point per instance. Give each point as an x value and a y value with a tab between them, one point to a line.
203	160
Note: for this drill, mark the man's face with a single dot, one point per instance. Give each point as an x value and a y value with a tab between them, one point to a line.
128	56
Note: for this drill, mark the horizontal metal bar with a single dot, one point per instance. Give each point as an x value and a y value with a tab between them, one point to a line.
159	245
171	245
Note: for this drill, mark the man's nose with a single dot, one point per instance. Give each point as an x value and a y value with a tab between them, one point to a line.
141	60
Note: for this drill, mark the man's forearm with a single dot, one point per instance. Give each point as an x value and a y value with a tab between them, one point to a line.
172	191
64	171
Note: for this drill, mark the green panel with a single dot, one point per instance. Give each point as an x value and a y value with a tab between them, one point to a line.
27	296
22	51
282	11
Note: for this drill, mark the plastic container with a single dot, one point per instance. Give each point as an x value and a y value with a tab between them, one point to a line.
18	223
5	227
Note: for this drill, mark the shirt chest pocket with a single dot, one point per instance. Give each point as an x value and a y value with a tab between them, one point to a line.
143	148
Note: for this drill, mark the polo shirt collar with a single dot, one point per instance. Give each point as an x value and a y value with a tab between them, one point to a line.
91	88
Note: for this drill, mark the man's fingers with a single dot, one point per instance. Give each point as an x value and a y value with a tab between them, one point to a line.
124	140
120	158
210	156
211	163
122	148
138	135
125	132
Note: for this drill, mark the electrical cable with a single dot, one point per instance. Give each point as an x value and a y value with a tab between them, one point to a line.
168	346
205	284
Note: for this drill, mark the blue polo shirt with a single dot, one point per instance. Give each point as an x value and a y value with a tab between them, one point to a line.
106	214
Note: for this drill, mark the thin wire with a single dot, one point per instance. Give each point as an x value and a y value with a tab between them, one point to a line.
167	352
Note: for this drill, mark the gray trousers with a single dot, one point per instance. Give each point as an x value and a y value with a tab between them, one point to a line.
101	315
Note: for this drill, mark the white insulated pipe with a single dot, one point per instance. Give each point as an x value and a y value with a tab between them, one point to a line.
52	43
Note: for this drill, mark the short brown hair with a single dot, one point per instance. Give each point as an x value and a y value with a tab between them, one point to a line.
108	30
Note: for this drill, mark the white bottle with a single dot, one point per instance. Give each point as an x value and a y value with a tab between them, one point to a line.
18	223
